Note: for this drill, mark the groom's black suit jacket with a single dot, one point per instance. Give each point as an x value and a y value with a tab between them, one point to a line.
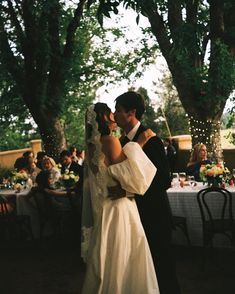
156	216
154	206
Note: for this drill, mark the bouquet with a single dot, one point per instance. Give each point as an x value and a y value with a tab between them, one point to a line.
69	179
215	174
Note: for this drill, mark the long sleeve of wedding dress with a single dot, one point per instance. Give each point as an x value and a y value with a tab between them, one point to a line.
135	174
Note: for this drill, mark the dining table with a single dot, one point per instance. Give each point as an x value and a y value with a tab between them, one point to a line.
183	202
26	205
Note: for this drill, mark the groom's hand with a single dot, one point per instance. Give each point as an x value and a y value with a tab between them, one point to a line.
116	192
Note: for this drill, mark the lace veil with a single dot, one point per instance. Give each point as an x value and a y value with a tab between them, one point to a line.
93	181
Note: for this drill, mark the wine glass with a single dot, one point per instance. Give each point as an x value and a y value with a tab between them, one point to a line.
192	181
182	178
175	179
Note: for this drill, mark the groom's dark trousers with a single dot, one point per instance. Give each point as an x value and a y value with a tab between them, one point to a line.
156	216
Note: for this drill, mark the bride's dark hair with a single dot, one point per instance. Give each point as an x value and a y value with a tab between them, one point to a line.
102	115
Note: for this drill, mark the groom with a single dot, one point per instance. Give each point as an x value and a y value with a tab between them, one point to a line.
153	207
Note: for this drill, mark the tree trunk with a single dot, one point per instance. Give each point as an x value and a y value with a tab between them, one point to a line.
50	127
38	62
53	138
203	88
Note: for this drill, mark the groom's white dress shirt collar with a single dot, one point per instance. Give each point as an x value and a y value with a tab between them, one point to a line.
132	132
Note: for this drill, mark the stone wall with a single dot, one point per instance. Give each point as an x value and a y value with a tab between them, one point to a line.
8	158
183	144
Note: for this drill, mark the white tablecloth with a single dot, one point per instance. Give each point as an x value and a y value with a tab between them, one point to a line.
183	202
25	206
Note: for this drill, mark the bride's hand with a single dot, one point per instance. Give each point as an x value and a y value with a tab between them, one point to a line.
145	136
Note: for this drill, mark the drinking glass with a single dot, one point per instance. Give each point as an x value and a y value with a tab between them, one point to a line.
175	179
192	181
182	176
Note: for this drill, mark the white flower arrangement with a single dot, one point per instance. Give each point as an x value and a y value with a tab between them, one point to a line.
18	177
69	178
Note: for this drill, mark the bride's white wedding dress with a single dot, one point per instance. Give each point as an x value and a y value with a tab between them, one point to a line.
118	258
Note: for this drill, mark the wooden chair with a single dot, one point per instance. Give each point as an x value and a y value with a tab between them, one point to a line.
180	222
220	223
11	224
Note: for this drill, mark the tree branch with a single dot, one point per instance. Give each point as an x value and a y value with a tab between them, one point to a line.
16	24
191	11
160	32
71	30
174	16
30	33
8	58
217	19
229	21
191	20
56	67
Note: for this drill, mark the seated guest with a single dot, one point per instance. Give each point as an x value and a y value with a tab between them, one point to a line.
80	156
44	181
33	169
40	156
49	194
170	153
197	159
49	164
73	151
21	165
68	164
28	154
41	197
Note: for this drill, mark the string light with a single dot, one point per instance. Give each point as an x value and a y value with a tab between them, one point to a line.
207	132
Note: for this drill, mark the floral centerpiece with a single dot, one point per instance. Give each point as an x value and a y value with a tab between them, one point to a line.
69	179
19	179
215	174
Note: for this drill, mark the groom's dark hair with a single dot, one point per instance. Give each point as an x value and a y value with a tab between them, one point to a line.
132	100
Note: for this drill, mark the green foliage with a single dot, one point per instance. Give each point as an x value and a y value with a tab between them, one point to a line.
197	40
5	173
224	78
172	109
150	115
17	127
94	63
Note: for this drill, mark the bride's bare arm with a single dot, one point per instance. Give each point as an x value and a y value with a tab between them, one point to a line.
114	154
112	150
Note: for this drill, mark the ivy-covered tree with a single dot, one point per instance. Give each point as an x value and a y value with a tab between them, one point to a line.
197	40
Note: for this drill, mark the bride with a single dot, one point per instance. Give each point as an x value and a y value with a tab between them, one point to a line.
114	244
